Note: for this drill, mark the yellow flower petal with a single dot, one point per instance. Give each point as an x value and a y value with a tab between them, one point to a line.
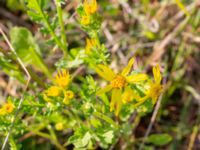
62	78
104	90
2	112
156	74
154	91
127	69
90	44
118	107
136	78
115	103
129	95
105	72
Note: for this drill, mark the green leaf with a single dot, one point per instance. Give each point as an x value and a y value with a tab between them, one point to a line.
13	145
80	142
159	139
35	16
26	48
108	136
22	38
34	5
11	69
15	4
77	61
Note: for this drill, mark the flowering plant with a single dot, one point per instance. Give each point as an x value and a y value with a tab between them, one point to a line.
76	107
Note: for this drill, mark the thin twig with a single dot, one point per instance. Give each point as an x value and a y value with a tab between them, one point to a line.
25	88
153	118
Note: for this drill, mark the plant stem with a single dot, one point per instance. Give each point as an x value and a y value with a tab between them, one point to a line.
47	136
61	22
58	42
104	117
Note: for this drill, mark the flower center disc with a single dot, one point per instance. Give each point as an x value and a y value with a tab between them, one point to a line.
118	82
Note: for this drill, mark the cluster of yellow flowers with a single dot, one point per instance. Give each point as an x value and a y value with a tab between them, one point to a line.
7	108
120	86
62	82
90	7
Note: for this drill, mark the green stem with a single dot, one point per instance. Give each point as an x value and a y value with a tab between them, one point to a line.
104	117
47	136
58	42
61	22
52	133
140	102
51	137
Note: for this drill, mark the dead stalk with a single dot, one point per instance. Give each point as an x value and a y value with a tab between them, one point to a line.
25	88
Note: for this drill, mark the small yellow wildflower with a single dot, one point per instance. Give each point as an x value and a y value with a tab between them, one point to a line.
90	6
155	87
68	95
118	84
62	78
7	108
85	20
90	43
59	126
53	91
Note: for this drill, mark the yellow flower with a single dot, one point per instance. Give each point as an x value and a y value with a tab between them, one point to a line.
85	20
62	78
68	95
59	126
118	84
7	108
90	6
90	43
155	87
53	91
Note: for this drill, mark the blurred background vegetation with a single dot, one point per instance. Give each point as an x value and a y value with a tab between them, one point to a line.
165	32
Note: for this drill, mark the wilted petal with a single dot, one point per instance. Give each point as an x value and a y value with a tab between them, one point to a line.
127	69
136	78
